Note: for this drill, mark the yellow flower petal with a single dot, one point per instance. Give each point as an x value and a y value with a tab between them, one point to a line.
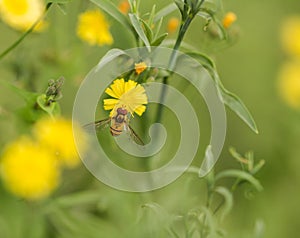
173	24
110	103
290	35
228	19
129	85
289	83
111	93
22	14
28	170
140	110
93	28
118	87
128	95
140	67
57	135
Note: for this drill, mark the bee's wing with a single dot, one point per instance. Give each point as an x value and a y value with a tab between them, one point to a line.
134	136
98	125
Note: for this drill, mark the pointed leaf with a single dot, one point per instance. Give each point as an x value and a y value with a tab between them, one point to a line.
240	175
112	10
159	39
139	30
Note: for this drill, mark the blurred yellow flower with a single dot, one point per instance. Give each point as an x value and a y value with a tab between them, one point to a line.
290	35
173	24
128	95
140	67
93	28
228	19
28	170
22	14
289	83
57	135
124	7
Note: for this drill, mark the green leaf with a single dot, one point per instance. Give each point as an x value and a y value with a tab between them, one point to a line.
230	99
152	15
26	95
258	166
228	200
165	11
112	10
148	31
110	56
240	175
139	30
51	108
159	39
202	58
236	104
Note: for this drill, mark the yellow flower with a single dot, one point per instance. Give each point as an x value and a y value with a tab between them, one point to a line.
140	67
289	83
228	19
128	95
57	135
173	24
290	35
28	170
124	7
93	28
22	14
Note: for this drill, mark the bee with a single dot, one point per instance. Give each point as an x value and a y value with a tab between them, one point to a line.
118	124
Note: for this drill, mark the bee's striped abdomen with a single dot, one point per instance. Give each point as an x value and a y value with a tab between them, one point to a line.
115	132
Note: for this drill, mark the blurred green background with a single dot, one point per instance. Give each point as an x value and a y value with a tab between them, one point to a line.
249	68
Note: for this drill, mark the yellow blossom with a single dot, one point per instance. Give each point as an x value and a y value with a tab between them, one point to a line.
57	135
93	28
124	7
290	35
173	24
289	83
28	170
128	95
140	67
22	14
228	19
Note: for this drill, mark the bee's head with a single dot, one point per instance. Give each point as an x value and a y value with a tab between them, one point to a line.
122	111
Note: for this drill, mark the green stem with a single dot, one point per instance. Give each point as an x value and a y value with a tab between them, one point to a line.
183	29
16	43
233	188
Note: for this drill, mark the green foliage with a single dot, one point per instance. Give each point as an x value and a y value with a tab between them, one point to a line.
92	211
112	10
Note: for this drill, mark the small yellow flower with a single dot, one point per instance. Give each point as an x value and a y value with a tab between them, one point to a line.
57	135
228	19
93	28
290	35
128	95
140	67
173	24
22	14
289	83
28	170
124	7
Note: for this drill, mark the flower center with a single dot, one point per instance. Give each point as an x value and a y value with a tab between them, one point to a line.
17	7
